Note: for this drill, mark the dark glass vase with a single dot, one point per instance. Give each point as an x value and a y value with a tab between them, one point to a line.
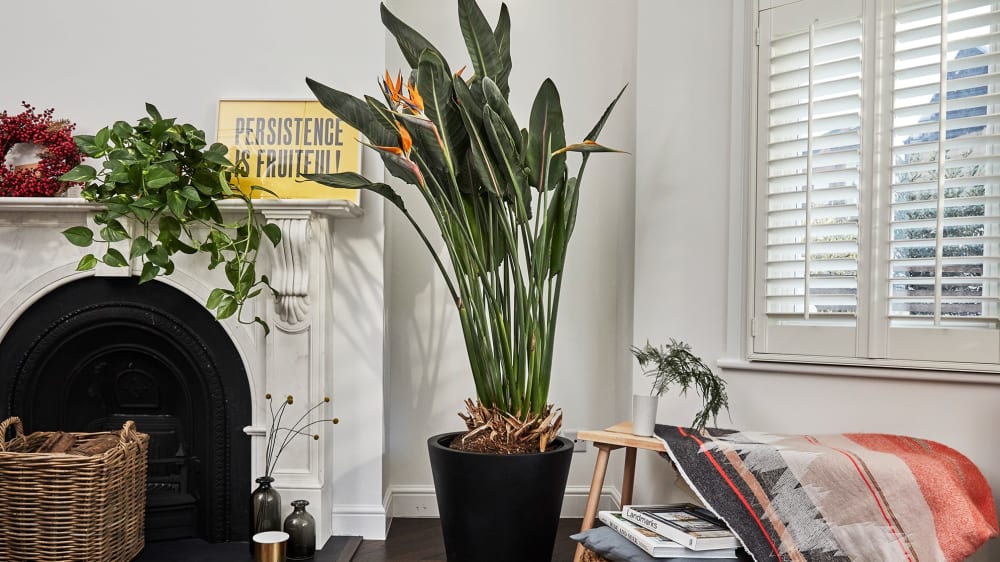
301	529
265	508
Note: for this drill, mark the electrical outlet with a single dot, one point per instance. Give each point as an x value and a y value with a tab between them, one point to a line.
579	445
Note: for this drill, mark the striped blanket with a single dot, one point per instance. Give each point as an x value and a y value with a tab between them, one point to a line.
843	497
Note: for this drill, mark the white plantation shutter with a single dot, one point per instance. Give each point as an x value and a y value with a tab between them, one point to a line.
942	270
878	181
810	119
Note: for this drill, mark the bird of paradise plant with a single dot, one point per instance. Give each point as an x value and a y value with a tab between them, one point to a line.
505	204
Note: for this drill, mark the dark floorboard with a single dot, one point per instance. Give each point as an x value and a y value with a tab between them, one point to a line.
409	540
420	539
337	549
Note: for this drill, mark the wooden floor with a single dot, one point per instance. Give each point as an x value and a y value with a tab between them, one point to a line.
420	539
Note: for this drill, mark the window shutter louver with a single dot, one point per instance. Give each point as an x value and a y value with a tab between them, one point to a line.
811	87
813	171
944	236
943	210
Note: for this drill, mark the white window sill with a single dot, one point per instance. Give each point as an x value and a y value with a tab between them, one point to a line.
939	373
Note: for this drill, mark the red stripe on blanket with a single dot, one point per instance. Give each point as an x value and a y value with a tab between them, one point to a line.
968	524
733	487
871	490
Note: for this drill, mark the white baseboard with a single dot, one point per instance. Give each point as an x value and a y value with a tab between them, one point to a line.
368	521
420	501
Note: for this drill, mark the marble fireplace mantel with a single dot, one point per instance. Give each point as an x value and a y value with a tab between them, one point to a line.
297	357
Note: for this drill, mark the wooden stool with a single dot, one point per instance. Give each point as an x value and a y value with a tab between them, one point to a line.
607	440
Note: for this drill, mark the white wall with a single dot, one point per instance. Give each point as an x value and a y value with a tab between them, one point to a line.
682	182
682	286
587	48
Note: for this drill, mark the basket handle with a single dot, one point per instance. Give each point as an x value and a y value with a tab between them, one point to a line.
18	430
128	433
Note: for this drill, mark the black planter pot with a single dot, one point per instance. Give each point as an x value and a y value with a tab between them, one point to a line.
499	508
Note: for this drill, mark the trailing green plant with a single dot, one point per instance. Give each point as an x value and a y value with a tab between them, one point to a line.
160	185
504	202
674	364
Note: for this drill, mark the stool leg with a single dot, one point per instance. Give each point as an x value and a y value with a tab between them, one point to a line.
628	480
596	484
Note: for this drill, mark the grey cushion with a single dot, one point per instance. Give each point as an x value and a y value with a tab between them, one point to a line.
609	544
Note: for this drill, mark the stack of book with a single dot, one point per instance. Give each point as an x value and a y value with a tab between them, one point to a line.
674	531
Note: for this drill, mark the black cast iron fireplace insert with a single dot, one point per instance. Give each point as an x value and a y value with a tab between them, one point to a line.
95	352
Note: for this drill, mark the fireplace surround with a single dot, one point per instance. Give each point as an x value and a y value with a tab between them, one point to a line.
81	351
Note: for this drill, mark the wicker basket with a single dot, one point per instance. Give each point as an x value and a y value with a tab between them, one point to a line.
591	556
59	506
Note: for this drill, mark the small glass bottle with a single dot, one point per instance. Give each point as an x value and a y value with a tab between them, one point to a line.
301	529
265	508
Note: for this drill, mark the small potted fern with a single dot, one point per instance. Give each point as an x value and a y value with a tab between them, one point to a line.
670	365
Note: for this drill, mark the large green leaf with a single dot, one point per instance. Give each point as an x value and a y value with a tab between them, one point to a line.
102	137
351	180
87	263
158	129
82	172
381	112
434	81
586	147
466	101
545	135
140	246
214	298
427	142
411	43
570	204
479	40
497	102
169	227
79	236
478	158
114	258
152	111
592	135
555	220
121	129
217	158
190	193
158	176
273	233
486	233
149	271
226	308
356	113
507	156
176	203
502	35
400	166
114	231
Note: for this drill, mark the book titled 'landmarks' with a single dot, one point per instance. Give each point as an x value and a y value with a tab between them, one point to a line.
690	525
656	545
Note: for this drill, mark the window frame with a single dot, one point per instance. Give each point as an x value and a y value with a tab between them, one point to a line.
745	199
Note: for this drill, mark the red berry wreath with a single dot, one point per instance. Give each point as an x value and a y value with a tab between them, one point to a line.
60	154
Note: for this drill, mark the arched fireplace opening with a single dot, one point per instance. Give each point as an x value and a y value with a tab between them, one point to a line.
95	352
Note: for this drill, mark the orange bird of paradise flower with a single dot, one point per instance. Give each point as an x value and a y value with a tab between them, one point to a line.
393	90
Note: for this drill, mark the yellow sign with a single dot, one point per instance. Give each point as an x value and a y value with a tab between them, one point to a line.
281	140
